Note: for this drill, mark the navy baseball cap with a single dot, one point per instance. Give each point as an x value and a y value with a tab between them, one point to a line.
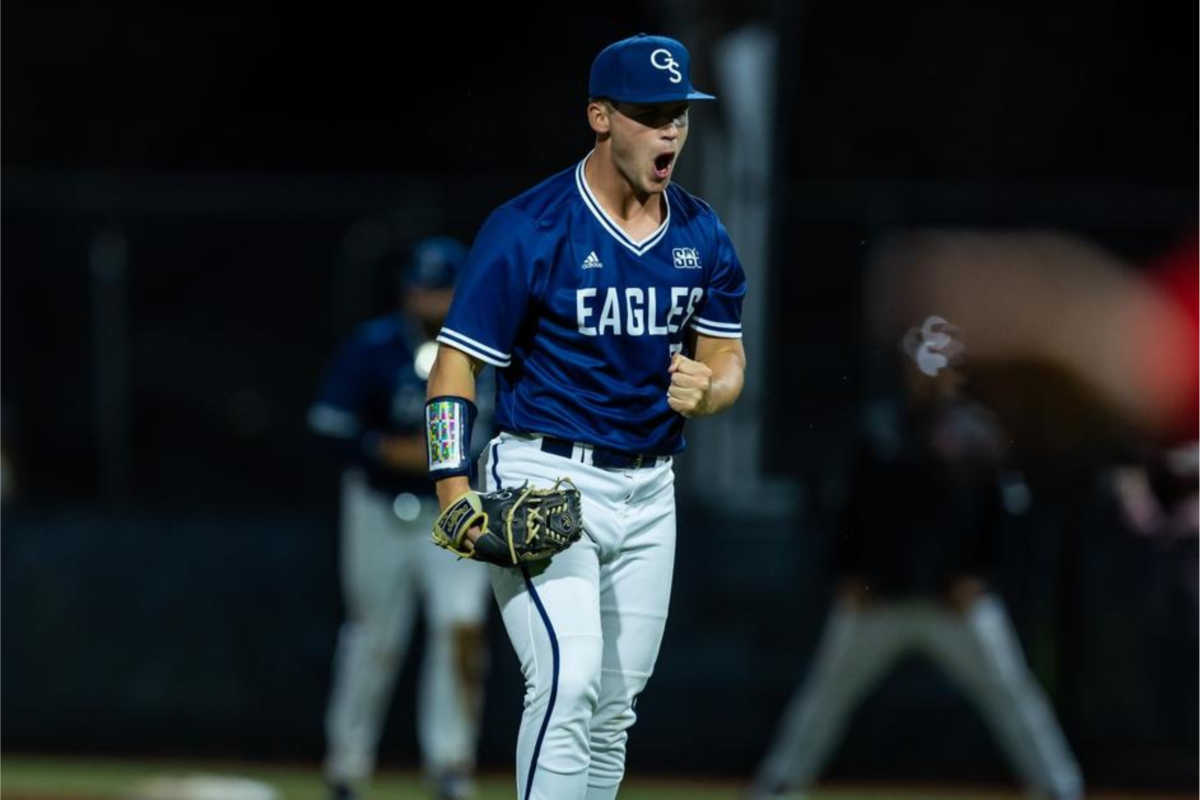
644	69
436	262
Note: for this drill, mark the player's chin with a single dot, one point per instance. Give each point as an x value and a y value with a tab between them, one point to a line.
653	186
647	183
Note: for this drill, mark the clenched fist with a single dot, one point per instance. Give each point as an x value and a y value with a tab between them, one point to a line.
691	386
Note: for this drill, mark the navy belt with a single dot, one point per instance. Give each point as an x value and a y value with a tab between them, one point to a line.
601	457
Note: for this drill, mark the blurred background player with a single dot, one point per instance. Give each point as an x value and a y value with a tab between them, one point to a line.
371	410
915	544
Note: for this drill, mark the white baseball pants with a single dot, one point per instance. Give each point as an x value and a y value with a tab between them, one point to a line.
586	626
979	650
387	567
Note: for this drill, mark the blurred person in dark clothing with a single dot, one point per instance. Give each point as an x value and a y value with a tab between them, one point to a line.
1159	503
371	413
916	542
1160	499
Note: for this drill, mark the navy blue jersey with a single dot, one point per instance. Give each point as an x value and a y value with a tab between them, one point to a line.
374	388
582	321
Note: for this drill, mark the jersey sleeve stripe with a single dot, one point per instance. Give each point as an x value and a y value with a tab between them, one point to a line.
477	345
710	323
473	348
716	332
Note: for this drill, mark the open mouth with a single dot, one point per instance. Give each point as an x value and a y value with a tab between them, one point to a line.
662	165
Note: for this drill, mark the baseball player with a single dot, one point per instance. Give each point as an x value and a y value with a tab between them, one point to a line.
371	412
610	301
914	547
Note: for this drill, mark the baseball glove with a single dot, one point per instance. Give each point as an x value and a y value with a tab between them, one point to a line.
519	525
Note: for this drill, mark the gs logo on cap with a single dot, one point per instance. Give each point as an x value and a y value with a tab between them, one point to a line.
670	64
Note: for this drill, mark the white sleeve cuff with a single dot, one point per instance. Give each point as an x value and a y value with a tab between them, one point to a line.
473	348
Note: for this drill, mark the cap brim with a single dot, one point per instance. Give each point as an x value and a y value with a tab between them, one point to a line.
669	97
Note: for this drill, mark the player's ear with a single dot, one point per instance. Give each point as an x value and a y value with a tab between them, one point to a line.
599	113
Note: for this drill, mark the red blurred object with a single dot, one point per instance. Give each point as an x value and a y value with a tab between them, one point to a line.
1176	275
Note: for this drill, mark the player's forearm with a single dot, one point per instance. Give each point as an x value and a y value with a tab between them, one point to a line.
728	376
453	374
450	489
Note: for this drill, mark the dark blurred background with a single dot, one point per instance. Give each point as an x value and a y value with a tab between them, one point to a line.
196	201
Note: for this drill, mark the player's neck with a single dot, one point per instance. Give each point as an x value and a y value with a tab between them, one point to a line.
622	201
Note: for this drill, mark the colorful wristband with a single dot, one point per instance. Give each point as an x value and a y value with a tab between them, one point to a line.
449	420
